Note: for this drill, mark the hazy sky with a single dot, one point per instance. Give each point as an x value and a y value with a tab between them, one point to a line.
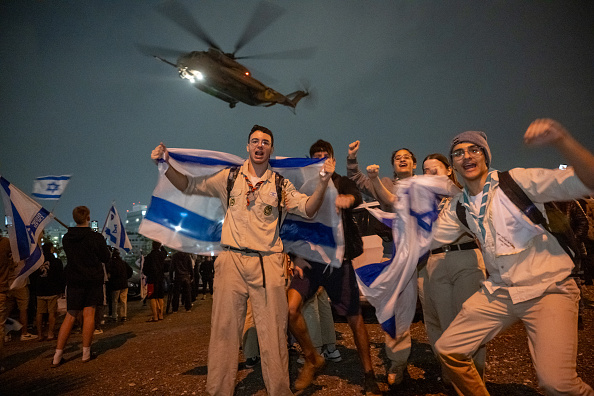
78	98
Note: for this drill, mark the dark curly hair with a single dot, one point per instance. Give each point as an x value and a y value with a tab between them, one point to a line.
321	145
262	129
394	155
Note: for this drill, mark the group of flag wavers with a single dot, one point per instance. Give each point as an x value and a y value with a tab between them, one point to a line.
26	220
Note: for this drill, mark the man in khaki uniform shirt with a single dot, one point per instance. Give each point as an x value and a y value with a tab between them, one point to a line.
251	264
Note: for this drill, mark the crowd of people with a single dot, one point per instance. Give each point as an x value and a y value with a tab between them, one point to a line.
492	262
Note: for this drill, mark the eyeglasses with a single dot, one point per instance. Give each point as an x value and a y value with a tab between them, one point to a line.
402	157
473	151
264	142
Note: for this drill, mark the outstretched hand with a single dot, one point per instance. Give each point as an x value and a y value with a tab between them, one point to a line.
544	131
160	152
353	149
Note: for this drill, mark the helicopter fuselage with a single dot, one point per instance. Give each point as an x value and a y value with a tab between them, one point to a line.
217	74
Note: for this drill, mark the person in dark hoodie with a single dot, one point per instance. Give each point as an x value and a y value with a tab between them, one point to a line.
119	272
85	251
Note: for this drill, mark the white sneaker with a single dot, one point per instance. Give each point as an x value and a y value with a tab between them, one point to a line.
333	356
301	359
98	331
28	337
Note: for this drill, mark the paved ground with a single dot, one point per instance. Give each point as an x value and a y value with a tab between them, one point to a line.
169	358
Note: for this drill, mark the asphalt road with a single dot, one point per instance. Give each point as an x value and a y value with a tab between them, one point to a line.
169	358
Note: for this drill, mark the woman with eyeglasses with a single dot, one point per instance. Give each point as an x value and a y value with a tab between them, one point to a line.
451	274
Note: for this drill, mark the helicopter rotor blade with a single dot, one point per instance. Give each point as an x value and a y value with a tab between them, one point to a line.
301	53
181	16
152	50
264	15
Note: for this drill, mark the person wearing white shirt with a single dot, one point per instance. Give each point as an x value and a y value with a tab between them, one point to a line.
528	269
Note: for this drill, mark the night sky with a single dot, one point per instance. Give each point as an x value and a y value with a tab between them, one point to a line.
78	98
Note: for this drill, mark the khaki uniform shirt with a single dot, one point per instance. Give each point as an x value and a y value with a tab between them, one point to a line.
254	226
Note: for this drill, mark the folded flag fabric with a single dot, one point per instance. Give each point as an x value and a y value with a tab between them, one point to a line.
114	230
50	187
26	219
193	223
391	286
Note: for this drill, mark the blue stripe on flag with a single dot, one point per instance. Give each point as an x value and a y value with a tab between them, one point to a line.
316	233
20	229
46	196
53	178
31	260
182	221
201	160
294	162
389	326
368	273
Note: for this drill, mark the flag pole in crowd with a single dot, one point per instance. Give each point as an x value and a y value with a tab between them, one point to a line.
114	231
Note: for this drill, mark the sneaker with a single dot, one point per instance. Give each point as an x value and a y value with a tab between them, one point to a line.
98	331
333	356
123	319
251	362
370	385
28	337
301	359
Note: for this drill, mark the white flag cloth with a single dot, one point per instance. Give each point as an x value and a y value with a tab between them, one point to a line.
50	187
193	223
27	220
114	230
391	286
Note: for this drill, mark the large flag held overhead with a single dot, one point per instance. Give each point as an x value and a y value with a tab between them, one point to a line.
50	187
114	231
193	223
391	286
26	221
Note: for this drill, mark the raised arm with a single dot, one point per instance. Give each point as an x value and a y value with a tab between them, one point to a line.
354	173
546	131
383	195
178	179
315	200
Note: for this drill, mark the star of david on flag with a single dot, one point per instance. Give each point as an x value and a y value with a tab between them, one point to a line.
50	187
114	230
27	219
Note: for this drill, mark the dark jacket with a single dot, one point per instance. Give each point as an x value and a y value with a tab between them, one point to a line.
154	266
353	244
119	272
182	266
85	251
207	268
49	279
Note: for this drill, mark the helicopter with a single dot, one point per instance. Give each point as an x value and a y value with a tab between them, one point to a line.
219	73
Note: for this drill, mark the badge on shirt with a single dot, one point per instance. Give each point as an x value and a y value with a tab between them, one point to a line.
232	202
268	210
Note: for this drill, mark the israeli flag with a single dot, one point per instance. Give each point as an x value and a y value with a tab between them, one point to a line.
114	230
193	223
26	220
391	286
50	187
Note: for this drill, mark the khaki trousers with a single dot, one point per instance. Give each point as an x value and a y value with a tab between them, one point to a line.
250	335
120	299
317	313
445	283
551	325
237	277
